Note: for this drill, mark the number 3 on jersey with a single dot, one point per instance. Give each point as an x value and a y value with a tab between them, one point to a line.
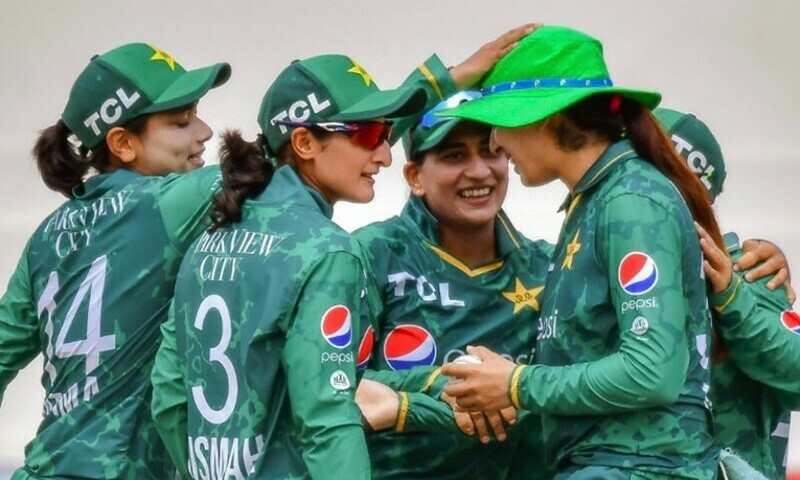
217	354
94	344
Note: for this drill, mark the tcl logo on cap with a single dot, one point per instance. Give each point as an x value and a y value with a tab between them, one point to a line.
337	327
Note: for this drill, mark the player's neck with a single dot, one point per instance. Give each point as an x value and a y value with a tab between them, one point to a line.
470	247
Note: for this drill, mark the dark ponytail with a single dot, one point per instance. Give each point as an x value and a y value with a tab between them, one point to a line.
614	117
245	174
651	143
60	164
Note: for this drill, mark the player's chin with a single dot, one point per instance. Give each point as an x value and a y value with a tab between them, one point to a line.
363	191
194	163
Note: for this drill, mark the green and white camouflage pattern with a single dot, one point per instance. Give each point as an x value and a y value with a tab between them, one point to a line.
90	292
624	331
253	381
434	305
754	372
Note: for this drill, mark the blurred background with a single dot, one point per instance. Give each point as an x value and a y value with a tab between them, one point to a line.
733	63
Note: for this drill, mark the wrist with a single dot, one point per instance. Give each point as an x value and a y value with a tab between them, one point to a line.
401	412
513	386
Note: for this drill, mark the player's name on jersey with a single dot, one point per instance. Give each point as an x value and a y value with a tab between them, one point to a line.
58	403
221	458
74	224
226	248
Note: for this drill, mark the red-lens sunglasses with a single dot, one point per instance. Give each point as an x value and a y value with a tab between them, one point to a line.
369	135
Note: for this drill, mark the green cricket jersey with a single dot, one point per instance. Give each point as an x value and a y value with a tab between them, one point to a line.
256	374
621	374
90	292
432	306
754	375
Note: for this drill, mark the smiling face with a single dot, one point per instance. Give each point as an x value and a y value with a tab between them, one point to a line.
462	182
532	149
343	170
172	142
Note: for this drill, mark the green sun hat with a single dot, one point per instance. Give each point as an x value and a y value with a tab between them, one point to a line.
431	129
132	80
551	69
696	144
329	88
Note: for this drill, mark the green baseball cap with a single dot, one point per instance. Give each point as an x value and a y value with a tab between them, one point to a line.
697	145
329	88
431	129
548	71
129	81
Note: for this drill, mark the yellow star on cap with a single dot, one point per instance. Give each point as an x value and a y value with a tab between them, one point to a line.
162	55
523	297
572	248
360	71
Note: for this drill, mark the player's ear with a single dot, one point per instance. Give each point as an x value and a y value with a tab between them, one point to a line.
414	178
304	143
121	145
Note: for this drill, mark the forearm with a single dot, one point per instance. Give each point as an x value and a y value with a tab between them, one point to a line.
19	332
423	413
169	404
417	379
749	319
621	382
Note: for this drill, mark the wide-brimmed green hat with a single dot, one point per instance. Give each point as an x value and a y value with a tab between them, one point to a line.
697	145
329	88
431	130
132	80
551	69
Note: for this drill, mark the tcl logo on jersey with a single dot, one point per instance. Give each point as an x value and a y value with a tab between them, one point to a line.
638	273
425	289
409	346
791	320
365	348
336	326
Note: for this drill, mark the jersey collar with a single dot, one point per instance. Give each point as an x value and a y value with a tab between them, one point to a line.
615	154
286	185
96	185
417	214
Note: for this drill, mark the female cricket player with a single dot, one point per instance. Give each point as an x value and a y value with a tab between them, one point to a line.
755	369
94	282
619	362
257	370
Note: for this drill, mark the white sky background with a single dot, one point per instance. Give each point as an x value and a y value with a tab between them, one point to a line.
733	63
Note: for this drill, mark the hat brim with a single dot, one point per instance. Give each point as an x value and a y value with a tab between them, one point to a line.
517	108
440	132
400	102
190	87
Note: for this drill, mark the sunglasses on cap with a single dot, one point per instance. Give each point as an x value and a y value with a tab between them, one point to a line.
429	120
369	135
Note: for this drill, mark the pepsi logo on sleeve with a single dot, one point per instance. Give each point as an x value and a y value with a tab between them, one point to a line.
409	346
337	327
365	348
791	320
638	273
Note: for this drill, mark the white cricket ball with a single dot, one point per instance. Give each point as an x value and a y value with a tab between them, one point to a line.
469	359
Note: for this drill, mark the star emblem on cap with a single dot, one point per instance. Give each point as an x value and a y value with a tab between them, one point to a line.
358	70
523	297
572	248
162	55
